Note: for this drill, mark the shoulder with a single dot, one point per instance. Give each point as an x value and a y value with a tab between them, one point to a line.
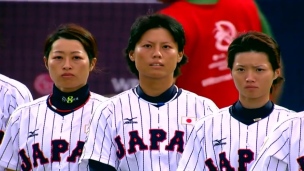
12	83
116	100
14	87
292	122
216	116
26	108
98	97
37	102
190	96
297	118
283	109
194	96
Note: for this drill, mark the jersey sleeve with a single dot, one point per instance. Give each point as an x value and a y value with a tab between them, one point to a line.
276	149
20	95
207	107
99	144
212	107
11	100
193	155
9	149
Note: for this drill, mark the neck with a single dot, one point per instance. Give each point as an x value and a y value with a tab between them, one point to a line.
155	88
64	103
202	1
253	103
70	90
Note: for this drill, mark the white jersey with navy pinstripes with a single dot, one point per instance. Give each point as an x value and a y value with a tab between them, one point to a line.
12	94
284	148
39	139
131	134
220	142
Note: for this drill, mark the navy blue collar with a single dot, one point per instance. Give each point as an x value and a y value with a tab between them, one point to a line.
64	103
170	94
250	116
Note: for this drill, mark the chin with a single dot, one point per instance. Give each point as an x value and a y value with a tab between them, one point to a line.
251	95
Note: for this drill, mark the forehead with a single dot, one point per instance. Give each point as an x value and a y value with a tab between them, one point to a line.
157	34
67	44
251	58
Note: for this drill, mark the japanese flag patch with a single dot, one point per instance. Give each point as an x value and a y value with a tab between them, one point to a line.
188	120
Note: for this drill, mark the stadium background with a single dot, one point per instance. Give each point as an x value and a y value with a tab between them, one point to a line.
25	25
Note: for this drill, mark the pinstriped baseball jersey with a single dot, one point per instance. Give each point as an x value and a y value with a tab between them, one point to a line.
220	142
131	134
12	94
39	139
284	148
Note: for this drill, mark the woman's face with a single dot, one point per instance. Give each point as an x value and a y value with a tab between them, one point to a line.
253	74
156	54
68	64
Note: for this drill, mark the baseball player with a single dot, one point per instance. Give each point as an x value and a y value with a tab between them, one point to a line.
283	149
230	139
12	94
146	127
49	133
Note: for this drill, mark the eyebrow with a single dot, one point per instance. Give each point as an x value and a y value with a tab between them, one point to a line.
154	42
263	65
58	51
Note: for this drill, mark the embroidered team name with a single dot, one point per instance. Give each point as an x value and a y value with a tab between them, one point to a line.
246	156
59	148
69	99
157	136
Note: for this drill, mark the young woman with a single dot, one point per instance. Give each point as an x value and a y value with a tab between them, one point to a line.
49	133
146	127
231	138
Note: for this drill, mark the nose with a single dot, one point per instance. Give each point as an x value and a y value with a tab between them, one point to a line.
67	64
157	52
250	77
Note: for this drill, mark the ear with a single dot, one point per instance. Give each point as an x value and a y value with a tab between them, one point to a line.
131	55
277	73
93	63
45	60
180	56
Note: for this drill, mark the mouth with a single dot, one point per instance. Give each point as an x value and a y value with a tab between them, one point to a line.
156	64
67	75
251	87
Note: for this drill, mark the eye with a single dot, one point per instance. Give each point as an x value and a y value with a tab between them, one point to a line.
77	57
147	45
259	69
57	57
167	46
240	69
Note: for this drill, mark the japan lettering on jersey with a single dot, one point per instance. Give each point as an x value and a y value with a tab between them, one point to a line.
220	142
129	133
284	149
12	94
39	139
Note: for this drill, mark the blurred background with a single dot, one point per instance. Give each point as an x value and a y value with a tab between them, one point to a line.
24	25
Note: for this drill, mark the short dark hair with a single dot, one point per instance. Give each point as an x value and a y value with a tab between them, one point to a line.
258	42
151	21
74	32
